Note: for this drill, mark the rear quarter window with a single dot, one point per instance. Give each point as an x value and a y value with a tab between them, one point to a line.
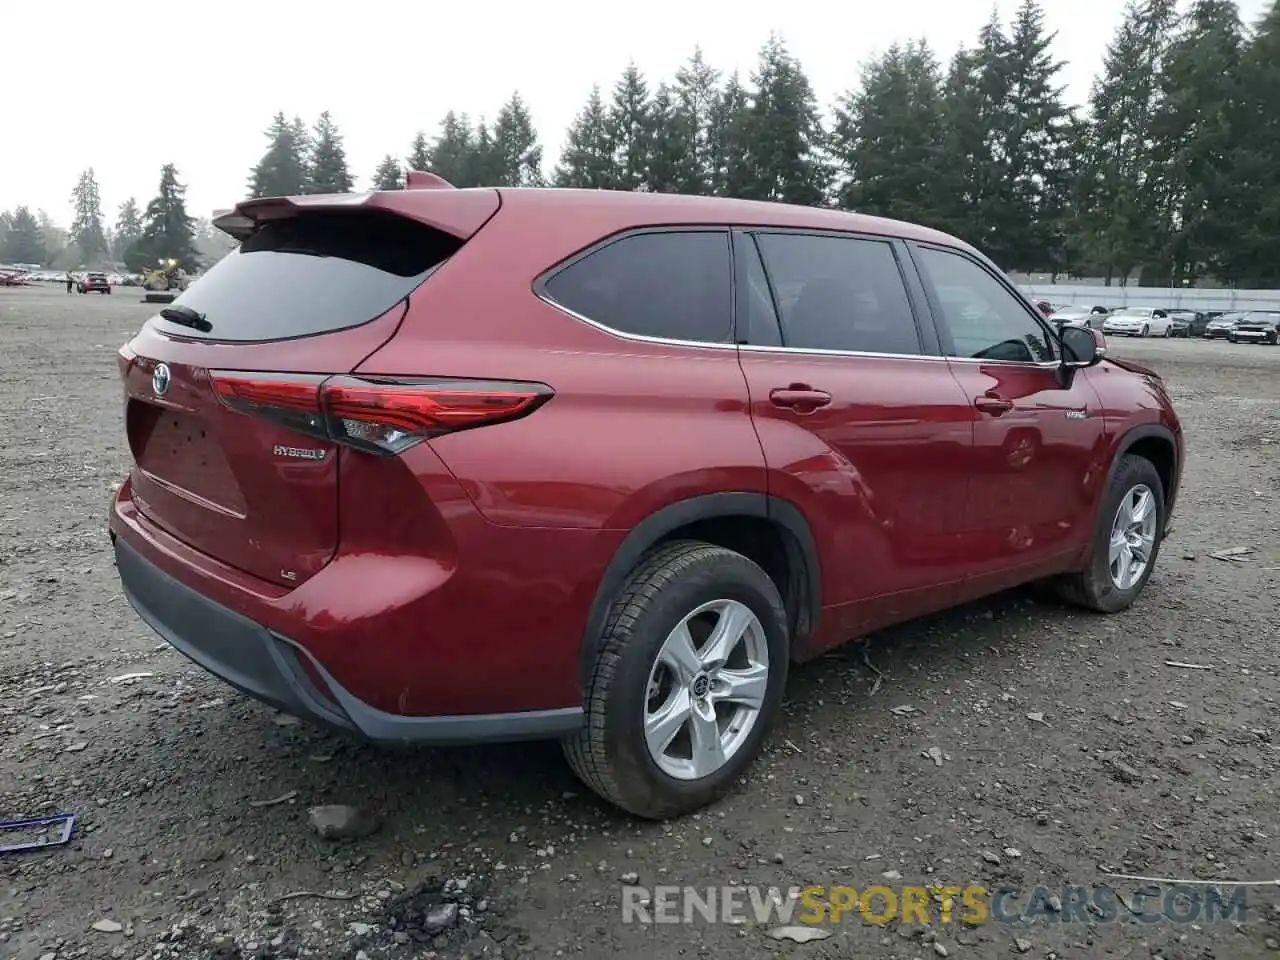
673	285
312	274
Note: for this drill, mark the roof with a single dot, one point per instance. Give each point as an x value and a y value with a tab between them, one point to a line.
464	210
669	208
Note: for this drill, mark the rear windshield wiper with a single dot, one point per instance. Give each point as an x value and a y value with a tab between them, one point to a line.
185	316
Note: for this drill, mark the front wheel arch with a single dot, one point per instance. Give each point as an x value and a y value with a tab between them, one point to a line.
1153	442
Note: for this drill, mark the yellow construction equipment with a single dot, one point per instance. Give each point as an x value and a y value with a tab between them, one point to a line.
163	283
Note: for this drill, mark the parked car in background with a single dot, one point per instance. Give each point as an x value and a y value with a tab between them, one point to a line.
1220	327
93	283
1188	323
1257	326
449	466
1138	322
1073	316
1078	316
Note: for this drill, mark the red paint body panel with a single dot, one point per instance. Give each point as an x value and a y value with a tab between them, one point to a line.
1034	475
881	474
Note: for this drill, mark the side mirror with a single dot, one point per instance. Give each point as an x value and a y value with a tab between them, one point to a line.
1081	346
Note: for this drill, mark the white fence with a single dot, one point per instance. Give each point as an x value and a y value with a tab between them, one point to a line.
1169	298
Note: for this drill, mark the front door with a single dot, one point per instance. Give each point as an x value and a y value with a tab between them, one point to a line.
862	425
1038	434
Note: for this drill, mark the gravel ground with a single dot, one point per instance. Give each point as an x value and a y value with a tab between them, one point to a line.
1063	745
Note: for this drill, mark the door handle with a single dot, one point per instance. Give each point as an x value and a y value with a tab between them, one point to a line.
992	404
799	397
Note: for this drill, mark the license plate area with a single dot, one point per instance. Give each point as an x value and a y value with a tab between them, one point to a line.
178	451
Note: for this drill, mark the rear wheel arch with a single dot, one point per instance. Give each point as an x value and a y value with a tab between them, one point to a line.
768	530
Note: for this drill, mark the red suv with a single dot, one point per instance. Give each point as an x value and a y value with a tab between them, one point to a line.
94	283
447	466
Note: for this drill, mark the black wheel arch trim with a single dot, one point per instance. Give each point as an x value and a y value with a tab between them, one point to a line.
1144	432
649	531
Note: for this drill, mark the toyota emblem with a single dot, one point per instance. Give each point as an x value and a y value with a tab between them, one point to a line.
160	380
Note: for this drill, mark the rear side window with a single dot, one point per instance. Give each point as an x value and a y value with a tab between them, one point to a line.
674	285
314	273
839	293
986	319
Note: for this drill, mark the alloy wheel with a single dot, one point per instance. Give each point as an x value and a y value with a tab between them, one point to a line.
706	689
1133	536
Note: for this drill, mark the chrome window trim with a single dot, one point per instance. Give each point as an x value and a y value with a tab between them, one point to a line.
757	348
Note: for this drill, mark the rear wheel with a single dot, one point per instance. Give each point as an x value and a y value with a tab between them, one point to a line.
1126	540
687	679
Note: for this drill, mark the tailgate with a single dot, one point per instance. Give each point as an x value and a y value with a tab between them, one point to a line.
308	295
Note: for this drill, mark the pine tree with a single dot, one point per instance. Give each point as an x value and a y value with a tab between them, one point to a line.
328	172
695	95
1036	134
6	225
482	166
1197	144
452	155
518	155
784	135
587	158
728	134
23	242
631	129
974	182
670	163
54	239
167	232
86	229
282	171
1256	258
388	176
887	137
128	227
1117	177
420	153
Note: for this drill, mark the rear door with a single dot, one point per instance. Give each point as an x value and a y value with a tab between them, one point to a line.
1037	438
311	293
862	425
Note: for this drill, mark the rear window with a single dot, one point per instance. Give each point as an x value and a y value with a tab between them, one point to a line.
312	274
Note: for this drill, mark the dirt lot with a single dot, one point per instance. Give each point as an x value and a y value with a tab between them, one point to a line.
1066	745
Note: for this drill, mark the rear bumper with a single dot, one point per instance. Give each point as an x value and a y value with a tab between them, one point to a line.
279	672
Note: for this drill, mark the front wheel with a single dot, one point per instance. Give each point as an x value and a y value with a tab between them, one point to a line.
1146	331
1126	540
1168	332
686	681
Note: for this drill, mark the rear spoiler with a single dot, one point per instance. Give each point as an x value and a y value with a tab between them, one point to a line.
428	198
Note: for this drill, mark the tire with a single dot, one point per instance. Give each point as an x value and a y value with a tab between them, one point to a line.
1146	330
1168	332
611	754
1094	588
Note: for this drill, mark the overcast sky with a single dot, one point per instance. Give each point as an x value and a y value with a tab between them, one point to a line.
127	86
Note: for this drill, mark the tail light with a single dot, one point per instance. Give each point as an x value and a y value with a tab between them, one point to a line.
125	359
379	415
